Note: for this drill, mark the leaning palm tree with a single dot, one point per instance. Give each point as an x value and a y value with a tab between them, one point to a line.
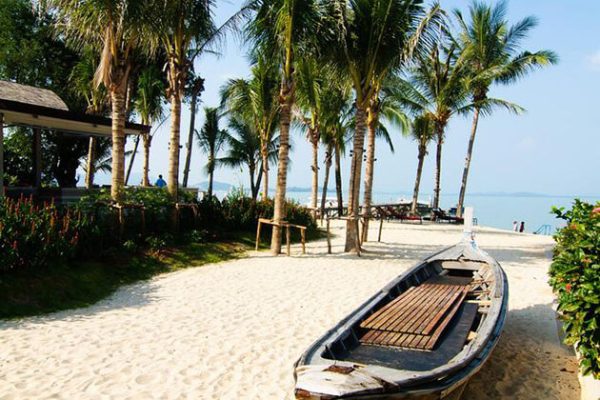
148	105
244	149
422	133
194	88
256	100
491	49
211	139
369	40
117	28
284	28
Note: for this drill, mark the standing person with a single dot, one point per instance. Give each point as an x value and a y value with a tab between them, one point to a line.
160	182
522	228
515	226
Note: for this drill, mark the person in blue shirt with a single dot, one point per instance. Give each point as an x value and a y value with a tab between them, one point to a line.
160	182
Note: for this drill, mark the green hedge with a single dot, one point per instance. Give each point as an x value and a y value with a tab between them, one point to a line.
575	278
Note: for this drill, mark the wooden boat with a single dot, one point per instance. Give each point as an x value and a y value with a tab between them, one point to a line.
422	336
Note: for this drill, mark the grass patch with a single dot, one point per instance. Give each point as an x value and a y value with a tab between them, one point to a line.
61	287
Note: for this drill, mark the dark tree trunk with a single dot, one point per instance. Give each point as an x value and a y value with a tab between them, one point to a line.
328	157
352	239
338	180
463	186
190	142
135	149
421	157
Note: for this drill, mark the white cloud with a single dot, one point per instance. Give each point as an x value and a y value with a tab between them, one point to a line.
594	60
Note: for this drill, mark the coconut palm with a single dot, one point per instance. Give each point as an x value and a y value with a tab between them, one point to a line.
194	88
256	100
244	149
370	39
148	105
117	28
422	132
284	28
211	139
492	50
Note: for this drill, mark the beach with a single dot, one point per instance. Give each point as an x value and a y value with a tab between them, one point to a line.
234	330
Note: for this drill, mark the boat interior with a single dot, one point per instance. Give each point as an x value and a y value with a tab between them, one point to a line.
424	320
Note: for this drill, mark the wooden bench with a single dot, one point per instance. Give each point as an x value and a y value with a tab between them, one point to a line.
287	227
417	318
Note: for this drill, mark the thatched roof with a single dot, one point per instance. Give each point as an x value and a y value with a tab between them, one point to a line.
31	95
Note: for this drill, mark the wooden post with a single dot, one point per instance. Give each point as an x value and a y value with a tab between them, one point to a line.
37	158
328	238
303	239
258	234
287	239
1	155
380	228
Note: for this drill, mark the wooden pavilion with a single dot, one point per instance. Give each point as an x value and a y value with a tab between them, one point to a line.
22	105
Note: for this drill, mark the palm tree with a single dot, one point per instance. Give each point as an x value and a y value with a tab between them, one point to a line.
386	103
422	132
195	87
441	94
211	139
283	27
117	27
491	49
256	100
311	76
148	105
369	41
244	147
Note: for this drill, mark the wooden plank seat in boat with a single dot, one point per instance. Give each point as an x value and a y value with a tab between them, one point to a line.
417	318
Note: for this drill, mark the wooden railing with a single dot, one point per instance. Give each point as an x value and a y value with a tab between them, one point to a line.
287	226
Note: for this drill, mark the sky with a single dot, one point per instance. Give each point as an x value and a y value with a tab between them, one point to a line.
554	148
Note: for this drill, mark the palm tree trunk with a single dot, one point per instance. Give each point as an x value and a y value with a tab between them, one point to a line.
252	184
172	181
146	167
328	157
259	176
211	173
463	186
118	143
338	180
352	243
190	142
135	149
315	173
287	100
89	177
438	168
369	171
264	151
421	157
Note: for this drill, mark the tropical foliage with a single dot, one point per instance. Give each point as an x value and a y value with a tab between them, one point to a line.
575	278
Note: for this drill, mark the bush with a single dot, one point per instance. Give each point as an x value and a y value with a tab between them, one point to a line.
31	235
575	278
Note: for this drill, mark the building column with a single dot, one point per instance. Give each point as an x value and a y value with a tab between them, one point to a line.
37	158
1	155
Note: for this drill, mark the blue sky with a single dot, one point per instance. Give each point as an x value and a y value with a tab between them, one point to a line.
553	148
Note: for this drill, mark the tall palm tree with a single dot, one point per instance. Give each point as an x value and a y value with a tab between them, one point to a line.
492	50
148	105
311	75
211	139
370	40
422	133
387	104
194	88
244	149
256	100
117	28
284	27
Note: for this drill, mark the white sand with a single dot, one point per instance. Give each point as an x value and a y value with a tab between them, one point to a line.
233	330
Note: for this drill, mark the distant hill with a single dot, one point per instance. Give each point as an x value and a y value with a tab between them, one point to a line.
221	186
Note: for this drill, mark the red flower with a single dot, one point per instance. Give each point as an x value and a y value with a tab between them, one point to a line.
596	211
568	287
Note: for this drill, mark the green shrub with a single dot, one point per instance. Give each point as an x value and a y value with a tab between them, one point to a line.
31	235
575	278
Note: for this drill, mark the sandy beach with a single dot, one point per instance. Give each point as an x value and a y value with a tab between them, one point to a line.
233	330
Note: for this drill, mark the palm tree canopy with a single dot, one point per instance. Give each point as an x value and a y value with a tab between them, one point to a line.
211	138
369	39
150	93
492	48
244	145
422	130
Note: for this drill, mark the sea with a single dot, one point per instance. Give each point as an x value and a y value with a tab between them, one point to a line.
493	210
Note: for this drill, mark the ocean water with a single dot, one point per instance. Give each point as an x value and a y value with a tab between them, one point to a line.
494	210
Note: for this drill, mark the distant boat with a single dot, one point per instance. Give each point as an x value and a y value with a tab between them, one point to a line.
423	336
